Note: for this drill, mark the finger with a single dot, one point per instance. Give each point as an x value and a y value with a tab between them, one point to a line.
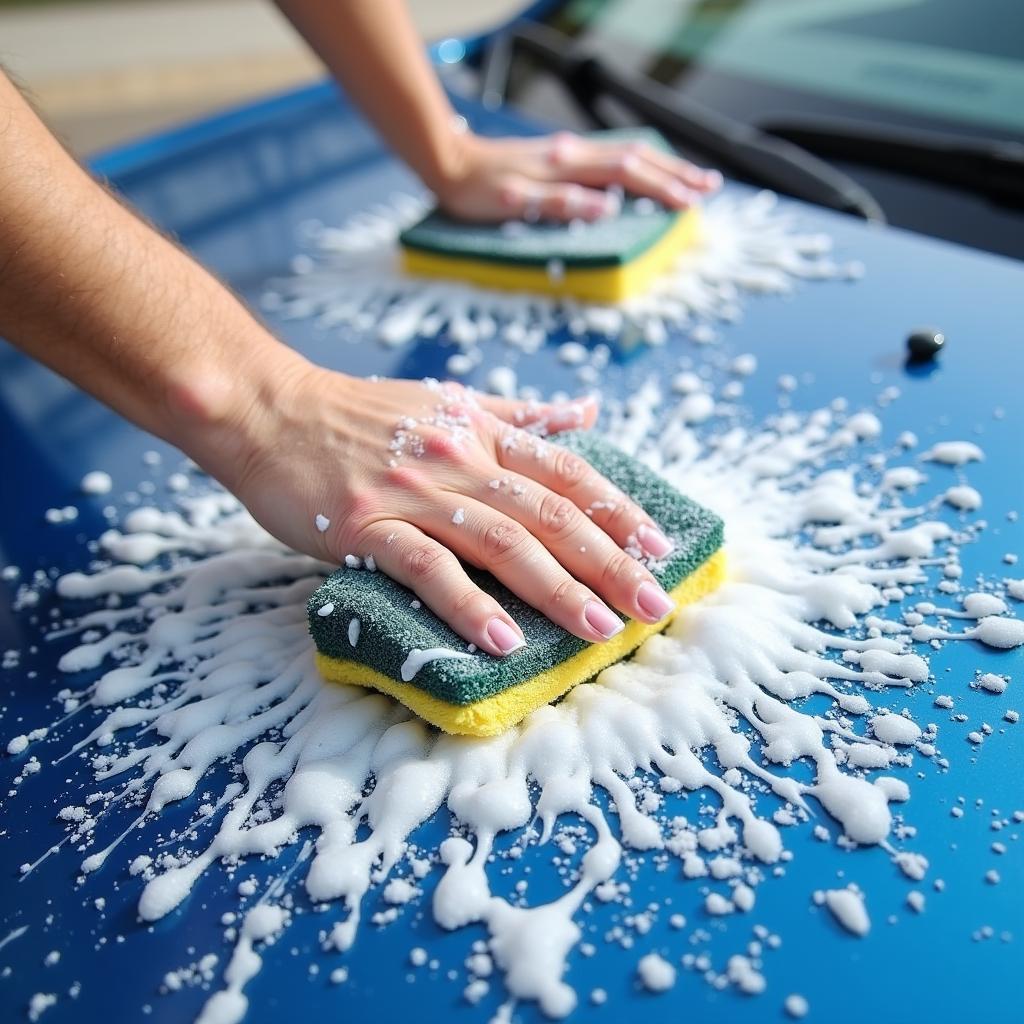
549	417
560	201
643	178
596	163
702	179
435	576
580	546
566	473
636	167
507	550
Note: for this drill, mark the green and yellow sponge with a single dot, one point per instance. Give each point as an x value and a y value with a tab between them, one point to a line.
366	626
606	261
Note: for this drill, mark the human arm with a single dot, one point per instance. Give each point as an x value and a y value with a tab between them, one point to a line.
92	291
373	49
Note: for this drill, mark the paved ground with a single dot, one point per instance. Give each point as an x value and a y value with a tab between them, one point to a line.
106	71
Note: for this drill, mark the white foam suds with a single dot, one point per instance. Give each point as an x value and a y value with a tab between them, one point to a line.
796	1006
352	284
655	973
901	478
417	658
204	658
742	973
963	497
992	683
847	907
954	453
895	729
262	924
13	935
96	482
39	1004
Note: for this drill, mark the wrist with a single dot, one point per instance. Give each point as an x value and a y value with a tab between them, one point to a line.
458	154
220	411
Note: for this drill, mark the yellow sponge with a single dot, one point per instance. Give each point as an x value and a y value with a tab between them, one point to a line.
604	261
370	631
493	715
618	278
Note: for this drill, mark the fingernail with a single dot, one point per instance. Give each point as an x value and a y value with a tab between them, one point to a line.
653	601
600	617
713	180
503	636
653	541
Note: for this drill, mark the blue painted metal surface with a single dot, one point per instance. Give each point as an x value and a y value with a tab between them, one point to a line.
235	193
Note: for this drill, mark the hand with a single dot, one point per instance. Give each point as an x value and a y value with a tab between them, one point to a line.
562	177
412	475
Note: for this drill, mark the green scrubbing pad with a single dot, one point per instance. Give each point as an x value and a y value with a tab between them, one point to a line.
482	694
604	261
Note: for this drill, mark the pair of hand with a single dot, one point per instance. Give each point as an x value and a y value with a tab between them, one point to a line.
411	476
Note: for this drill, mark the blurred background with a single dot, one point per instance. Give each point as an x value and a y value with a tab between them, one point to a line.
103	71
917	104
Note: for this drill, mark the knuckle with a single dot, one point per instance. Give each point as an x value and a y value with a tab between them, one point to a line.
619	569
423	561
356	531
502	540
568	467
617	514
483	420
347	538
404	478
446	448
362	506
554	205
468	601
626	167
556	514
566	592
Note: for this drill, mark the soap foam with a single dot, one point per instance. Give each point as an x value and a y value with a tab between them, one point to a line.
747	247
221	631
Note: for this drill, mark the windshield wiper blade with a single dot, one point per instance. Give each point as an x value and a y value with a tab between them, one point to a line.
992	167
740	148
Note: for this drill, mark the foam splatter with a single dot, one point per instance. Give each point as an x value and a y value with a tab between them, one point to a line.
351	284
204	657
196	629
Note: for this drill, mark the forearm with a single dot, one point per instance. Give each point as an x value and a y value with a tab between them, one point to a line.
90	290
374	50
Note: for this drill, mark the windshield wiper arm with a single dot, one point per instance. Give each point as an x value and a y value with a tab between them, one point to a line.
989	166
741	148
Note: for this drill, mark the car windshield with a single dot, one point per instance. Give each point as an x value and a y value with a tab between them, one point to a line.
944	61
